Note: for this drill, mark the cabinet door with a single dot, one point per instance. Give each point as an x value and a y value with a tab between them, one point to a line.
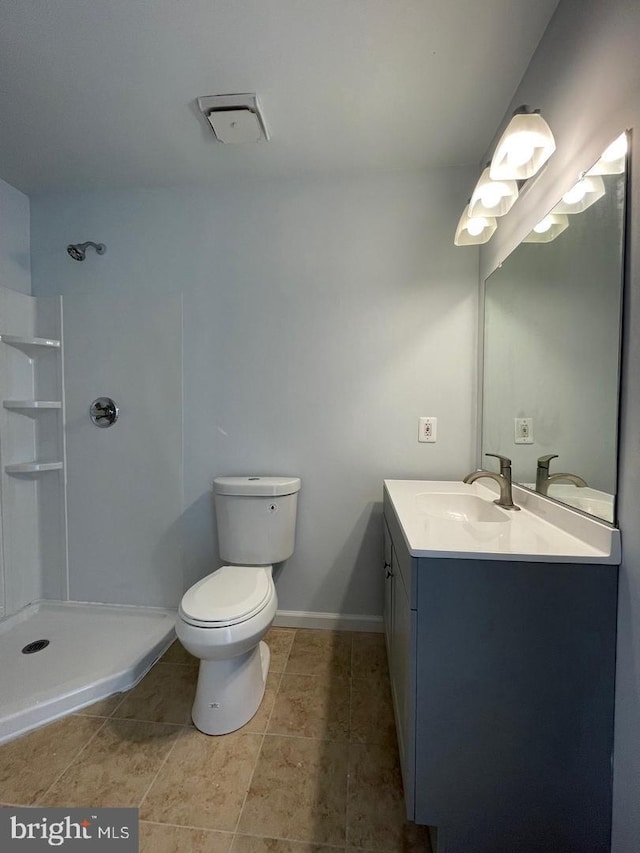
400	656
387	612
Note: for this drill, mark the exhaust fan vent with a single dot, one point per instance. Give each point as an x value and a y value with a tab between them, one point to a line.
234	118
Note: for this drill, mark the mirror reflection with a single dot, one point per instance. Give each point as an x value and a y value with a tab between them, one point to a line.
552	345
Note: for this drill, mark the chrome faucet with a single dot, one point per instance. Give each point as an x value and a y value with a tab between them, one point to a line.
544	479
503	479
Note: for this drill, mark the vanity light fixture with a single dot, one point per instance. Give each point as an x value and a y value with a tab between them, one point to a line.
524	147
492	198
473	230
613	160
548	228
581	196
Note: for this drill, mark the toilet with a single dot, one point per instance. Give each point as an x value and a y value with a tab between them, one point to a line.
223	617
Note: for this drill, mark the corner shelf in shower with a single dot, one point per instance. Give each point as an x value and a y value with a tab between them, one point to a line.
30	405
32	467
31	347
33	483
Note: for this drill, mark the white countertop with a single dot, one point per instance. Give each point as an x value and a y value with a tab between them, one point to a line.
543	531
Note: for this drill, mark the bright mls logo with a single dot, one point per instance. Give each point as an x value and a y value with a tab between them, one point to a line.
35	829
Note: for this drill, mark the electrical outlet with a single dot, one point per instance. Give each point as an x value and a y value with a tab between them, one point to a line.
427	429
523	430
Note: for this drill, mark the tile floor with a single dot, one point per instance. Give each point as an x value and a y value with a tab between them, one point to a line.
315	771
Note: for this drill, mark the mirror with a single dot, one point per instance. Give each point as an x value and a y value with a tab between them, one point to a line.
552	346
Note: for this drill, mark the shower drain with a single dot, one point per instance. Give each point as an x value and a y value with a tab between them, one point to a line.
35	646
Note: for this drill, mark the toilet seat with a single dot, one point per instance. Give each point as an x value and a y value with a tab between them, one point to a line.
228	596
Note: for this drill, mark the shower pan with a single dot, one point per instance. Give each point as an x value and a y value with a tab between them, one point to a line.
56	655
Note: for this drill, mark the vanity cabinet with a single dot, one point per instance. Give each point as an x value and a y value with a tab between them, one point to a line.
502	675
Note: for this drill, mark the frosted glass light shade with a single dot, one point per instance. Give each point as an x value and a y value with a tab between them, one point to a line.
473	230
585	193
523	149
492	198
613	159
548	228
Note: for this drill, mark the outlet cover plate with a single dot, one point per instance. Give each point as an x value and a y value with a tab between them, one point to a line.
427	430
523	430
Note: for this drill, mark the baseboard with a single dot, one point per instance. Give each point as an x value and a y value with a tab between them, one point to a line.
328	621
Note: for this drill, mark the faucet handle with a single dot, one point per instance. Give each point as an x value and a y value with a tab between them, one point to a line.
505	462
543	461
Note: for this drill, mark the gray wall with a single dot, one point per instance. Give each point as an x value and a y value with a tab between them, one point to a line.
585	77
321	319
15	258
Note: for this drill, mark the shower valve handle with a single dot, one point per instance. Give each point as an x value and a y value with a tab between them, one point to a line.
104	412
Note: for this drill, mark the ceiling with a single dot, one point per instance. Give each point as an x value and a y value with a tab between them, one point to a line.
100	93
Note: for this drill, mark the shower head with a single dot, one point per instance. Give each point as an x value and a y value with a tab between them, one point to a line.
78	251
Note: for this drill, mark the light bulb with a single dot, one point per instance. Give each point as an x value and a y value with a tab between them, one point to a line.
521	149
491	195
476	226
576	193
543	226
473	230
617	149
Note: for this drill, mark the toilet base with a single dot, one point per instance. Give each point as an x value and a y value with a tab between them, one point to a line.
229	692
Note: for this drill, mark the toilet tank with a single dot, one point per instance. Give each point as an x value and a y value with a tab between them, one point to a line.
256	518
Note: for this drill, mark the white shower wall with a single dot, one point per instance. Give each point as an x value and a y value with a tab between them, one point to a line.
15	254
125	482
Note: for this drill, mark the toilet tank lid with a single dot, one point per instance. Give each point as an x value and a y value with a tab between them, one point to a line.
256	485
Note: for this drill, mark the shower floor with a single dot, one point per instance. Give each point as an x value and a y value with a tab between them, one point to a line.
94	650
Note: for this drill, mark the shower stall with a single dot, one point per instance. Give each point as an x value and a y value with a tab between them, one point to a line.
86	602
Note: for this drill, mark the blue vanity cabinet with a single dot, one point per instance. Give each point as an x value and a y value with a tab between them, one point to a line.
502	677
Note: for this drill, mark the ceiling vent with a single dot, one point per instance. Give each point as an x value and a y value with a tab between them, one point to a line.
234	118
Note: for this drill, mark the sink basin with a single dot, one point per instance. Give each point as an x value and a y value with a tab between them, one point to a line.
460	507
451	519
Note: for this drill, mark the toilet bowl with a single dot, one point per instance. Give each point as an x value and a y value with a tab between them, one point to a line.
223	617
221	621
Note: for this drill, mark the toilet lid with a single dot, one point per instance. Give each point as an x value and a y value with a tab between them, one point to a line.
230	594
